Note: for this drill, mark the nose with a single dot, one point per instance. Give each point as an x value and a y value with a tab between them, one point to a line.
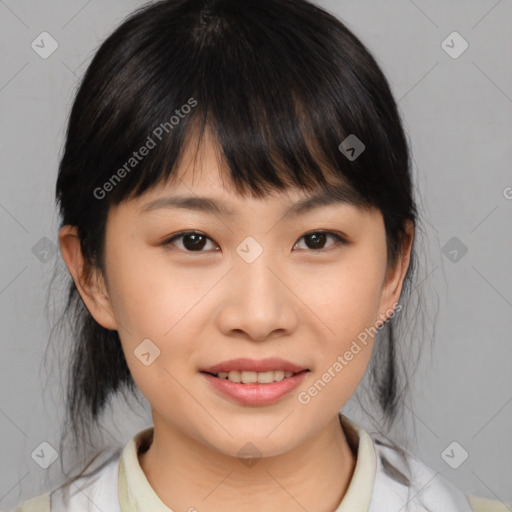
257	304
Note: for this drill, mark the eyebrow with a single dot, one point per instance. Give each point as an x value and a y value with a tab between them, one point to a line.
334	195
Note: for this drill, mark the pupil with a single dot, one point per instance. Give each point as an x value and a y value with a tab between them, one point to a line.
319	237
198	244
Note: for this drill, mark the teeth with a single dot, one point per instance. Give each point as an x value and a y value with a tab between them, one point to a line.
279	375
234	376
265	377
248	377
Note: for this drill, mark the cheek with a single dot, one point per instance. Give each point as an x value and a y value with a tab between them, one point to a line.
347	303
148	295
347	296
163	303
150	304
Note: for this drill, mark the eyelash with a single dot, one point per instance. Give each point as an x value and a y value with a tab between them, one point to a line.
339	239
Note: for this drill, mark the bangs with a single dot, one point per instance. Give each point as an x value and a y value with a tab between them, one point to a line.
277	100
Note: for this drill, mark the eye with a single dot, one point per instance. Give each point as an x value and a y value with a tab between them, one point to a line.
195	241
192	241
316	239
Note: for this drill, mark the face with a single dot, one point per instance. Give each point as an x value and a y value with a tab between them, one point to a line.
191	289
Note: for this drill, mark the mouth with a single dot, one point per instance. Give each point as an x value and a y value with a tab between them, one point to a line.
255	373
255	382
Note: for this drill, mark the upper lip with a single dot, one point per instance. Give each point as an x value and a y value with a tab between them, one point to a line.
254	365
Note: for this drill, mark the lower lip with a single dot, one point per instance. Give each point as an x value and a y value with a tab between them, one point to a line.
256	394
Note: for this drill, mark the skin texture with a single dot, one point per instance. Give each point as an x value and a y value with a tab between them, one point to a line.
294	301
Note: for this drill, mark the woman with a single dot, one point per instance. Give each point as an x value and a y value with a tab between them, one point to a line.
238	221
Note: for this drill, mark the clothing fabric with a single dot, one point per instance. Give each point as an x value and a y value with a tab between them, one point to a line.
381	482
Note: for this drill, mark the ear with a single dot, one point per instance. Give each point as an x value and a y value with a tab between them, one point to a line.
88	280
395	275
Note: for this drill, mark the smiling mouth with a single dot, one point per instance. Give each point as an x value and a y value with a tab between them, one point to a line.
251	377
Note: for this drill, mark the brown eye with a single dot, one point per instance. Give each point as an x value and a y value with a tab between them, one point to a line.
194	241
316	239
191	241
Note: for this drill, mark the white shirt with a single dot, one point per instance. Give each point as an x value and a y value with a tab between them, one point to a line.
120	485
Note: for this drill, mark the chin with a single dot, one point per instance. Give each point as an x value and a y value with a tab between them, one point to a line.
249	440
252	448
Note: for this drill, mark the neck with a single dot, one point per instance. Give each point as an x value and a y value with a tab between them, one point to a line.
188	475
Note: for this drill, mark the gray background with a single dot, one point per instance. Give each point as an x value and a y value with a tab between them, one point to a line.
457	112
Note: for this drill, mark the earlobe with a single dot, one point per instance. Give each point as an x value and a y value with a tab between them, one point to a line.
88	280
395	276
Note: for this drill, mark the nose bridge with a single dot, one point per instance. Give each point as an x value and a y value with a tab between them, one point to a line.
253	275
258	302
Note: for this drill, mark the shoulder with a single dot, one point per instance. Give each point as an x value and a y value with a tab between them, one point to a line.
409	481
38	504
485	505
96	489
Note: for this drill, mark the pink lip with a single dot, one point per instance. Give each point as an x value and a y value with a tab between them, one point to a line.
255	394
254	365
